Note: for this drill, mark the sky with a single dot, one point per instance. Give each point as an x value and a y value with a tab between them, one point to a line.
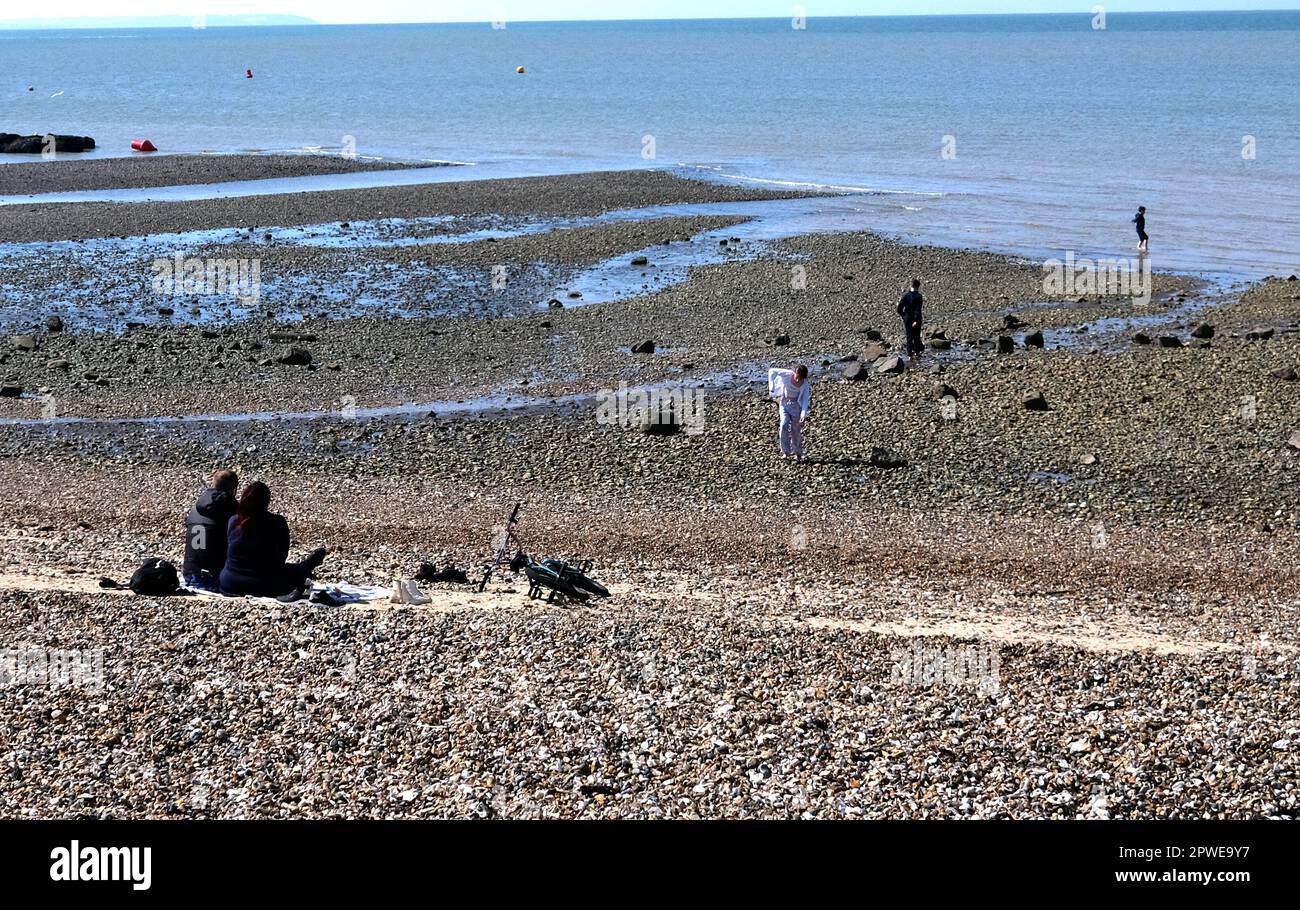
348	11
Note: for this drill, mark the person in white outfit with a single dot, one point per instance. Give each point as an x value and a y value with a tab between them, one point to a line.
793	394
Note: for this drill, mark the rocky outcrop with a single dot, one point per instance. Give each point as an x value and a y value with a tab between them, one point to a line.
12	143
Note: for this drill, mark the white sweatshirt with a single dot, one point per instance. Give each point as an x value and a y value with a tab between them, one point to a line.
780	385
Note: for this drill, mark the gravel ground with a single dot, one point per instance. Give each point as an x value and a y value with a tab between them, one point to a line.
1130	555
565	194
638	709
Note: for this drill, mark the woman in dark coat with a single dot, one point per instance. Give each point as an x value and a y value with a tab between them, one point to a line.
257	550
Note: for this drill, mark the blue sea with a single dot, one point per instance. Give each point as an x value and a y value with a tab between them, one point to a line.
1032	134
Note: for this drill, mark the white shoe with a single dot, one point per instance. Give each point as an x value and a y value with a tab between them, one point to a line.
413	594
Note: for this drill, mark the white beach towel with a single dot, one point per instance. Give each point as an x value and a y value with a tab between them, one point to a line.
348	593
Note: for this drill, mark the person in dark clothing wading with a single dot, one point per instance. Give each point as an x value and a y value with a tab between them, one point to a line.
1140	222
205	531
258	550
909	308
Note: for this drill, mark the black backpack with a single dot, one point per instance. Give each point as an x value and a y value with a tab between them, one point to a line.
155	578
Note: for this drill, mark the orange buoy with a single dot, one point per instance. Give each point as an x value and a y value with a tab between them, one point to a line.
143	145
519	69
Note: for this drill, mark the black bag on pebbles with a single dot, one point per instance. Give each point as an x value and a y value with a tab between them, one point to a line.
155	578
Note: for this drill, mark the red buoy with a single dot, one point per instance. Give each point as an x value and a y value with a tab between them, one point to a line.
143	145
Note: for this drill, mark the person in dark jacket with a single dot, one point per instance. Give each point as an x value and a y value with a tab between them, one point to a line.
1140	222
205	531
909	308
258	550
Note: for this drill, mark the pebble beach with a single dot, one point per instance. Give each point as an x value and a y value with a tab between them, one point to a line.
1048	569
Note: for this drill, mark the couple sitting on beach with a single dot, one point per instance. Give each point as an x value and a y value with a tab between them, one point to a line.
242	547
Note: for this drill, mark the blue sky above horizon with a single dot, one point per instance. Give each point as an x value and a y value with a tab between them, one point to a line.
350	11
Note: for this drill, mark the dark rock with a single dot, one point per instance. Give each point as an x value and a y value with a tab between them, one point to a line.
874	335
644	347
855	371
54	324
8	390
555	304
1169	341
13	144
886	459
574	295
662	424
940	344
1010	321
893	365
781	340
58	365
1260	333
295	357
1034	340
1141	338
1006	344
640	260
1286	374
874	352
1035	401
1204	330
943	390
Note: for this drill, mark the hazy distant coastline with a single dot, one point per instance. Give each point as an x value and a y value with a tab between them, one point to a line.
155	22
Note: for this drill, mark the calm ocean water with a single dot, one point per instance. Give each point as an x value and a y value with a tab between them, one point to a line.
1059	130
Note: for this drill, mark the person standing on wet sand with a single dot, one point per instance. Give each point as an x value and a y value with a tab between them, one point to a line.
793	395
1140	222
909	308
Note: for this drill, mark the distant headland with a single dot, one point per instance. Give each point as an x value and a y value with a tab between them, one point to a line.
156	22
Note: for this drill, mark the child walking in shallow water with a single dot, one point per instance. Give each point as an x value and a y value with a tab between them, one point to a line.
1140	222
793	395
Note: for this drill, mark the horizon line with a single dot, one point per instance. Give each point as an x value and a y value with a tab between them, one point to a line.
306	21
